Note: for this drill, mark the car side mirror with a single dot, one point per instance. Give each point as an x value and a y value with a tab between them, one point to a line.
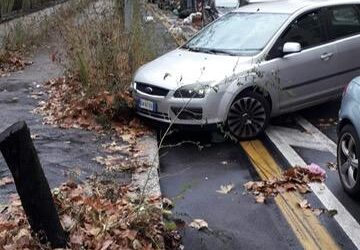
291	47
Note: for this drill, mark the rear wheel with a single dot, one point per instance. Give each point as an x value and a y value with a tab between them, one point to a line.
348	160
248	116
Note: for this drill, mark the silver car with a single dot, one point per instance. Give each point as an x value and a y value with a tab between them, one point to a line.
258	61
348	142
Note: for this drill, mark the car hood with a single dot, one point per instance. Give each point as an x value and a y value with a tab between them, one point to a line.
181	67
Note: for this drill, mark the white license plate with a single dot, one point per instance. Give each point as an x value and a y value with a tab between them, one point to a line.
148	105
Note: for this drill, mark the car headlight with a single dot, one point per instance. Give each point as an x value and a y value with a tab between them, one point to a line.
191	91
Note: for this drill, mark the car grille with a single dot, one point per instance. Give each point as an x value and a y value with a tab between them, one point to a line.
154	114
151	90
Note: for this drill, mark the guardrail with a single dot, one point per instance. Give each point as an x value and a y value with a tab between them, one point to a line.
10	9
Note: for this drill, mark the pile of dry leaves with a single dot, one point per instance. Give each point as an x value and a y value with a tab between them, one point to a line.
69	107
11	62
294	179
96	216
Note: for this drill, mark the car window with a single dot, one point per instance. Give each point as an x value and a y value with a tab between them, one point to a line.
344	21
306	30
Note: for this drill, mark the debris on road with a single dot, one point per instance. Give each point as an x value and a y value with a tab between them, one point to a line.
294	179
260	198
6	181
304	204
316	170
167	203
225	189
199	224
332	166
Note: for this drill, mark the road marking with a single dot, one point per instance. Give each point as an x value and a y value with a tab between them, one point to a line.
306	226
346	221
318	135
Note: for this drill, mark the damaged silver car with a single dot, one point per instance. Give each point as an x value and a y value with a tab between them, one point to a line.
259	61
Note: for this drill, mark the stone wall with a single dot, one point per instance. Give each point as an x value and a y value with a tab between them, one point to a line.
10	9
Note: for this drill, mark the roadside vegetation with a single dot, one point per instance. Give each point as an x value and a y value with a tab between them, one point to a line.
99	54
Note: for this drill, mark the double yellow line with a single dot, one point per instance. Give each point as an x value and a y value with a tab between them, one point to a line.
306	226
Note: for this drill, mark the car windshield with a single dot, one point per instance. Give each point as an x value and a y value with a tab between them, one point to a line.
226	3
237	34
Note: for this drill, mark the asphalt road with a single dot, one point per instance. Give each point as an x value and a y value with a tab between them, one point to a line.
191	176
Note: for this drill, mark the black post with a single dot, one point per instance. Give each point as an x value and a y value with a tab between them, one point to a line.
20	155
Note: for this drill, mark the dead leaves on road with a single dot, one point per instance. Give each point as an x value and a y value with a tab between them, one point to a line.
294	179
68	106
304	204
97	216
11	62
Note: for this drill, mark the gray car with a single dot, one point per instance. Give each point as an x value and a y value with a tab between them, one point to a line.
258	61
348	142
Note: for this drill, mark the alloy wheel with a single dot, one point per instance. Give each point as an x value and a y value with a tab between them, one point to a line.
348	160
247	117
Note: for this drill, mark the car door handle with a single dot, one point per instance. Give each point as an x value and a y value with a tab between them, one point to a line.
326	56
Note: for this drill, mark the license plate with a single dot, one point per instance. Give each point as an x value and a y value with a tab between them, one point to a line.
148	105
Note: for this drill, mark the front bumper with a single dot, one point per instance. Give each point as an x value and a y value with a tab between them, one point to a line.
182	111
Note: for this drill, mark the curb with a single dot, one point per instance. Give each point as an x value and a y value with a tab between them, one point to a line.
148	180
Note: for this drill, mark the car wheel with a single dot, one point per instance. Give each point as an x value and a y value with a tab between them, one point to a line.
248	116
348	160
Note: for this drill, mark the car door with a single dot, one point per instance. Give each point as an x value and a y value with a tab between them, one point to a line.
305	77
344	32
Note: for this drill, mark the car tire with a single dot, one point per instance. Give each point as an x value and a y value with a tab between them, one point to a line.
248	116
348	152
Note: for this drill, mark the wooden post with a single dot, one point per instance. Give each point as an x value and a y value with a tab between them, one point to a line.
20	155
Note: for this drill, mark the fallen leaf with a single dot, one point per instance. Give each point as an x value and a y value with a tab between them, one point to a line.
76	239
260	198
137	244
67	222
304	204
249	185
332	212
199	224
107	244
166	75
332	166
35	136
318	211
167	203
6	181
316	169
225	189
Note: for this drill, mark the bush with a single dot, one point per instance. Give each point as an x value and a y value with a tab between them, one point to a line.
100	49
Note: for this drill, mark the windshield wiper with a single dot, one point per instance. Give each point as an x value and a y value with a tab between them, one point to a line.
198	49
209	51
223	51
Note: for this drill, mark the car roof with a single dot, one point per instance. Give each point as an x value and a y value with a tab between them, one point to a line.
289	6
